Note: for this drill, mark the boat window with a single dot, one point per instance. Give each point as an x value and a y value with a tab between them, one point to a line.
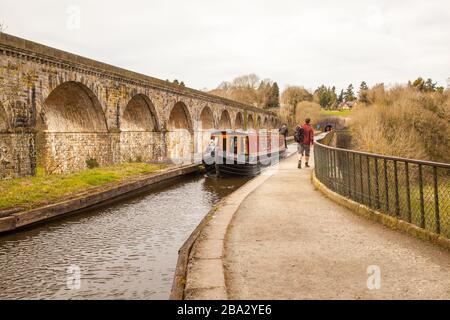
235	145
242	147
247	145
224	143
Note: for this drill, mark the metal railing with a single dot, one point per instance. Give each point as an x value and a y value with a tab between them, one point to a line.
411	190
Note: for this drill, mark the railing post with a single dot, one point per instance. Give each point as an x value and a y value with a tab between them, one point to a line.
347	174
422	201
328	167
377	185
361	180
336	168
397	200
436	201
333	174
408	191
355	196
330	154
316	162
369	181
386	185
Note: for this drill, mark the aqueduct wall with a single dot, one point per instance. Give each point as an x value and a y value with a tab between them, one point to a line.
58	110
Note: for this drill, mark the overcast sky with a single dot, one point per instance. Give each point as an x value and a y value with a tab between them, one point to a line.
204	42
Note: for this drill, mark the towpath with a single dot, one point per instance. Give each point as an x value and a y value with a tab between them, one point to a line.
288	241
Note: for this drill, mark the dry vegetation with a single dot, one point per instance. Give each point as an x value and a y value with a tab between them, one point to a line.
249	89
299	101
404	122
308	109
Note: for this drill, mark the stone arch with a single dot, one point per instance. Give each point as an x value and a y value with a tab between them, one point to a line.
258	123
250	122
204	134
71	130
207	118
239	122
139	134
73	107
273	122
179	118
139	115
56	81
179	135
225	121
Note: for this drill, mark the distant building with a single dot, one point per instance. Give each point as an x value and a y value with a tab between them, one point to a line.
347	105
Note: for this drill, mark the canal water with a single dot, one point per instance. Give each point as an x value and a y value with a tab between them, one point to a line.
128	250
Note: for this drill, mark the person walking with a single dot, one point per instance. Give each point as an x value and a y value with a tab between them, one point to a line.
304	136
284	131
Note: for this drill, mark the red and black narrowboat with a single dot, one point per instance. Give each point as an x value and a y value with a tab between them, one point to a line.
243	153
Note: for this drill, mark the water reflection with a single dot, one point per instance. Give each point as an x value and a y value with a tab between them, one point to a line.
125	251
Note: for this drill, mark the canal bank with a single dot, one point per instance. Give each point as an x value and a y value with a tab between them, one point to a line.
124	250
282	239
92	198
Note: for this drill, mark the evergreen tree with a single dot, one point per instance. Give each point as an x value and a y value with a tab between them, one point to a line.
430	86
363	89
273	100
340	98
425	86
363	86
349	94
326	97
182	84
176	82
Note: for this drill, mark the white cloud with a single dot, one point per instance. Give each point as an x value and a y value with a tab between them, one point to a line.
206	41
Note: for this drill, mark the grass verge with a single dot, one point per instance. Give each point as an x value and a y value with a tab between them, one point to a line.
337	113
44	189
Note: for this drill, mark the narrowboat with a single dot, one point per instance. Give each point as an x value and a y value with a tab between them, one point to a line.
243	153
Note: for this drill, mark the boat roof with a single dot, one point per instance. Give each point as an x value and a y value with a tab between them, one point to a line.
233	132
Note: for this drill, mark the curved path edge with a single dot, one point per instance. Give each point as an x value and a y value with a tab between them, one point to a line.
200	274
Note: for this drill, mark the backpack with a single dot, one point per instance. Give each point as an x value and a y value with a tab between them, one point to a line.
299	136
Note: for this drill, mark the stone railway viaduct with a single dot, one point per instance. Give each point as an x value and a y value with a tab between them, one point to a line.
58	110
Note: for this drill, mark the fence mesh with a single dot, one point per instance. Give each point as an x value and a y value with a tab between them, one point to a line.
414	191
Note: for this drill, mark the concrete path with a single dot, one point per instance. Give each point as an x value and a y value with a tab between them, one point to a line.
288	241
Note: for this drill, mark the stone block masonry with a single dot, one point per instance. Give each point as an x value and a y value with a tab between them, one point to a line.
16	160
58	110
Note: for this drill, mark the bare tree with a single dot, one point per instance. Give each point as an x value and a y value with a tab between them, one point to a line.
3	26
246	81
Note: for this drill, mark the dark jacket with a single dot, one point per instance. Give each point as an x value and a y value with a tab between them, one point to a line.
284	131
